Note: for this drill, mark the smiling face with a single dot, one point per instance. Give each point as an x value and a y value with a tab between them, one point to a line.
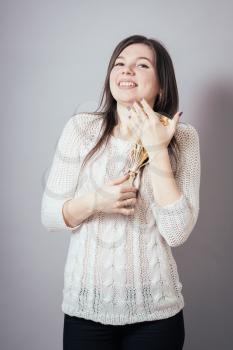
133	76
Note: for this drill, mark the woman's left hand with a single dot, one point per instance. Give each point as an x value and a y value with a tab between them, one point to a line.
146	126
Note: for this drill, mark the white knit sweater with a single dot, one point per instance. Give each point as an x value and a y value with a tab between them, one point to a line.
120	269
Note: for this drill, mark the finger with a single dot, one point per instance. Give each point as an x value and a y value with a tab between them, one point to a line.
149	111
120	180
126	211
130	201
128	189
176	117
125	203
128	195
141	113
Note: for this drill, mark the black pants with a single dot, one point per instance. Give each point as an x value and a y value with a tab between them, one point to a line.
165	334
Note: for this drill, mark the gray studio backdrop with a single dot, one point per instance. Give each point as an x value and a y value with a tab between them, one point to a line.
54	56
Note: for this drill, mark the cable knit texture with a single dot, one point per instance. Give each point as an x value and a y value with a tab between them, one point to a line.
120	269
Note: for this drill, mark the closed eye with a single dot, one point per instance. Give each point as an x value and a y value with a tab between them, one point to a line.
141	64
144	65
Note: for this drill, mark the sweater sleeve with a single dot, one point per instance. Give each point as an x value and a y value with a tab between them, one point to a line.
176	220
62	179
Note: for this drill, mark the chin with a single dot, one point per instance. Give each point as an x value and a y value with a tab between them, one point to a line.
126	101
126	98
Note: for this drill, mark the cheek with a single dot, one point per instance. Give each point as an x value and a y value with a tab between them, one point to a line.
112	79
113	75
149	82
112	83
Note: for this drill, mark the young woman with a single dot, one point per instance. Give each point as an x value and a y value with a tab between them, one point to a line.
121	284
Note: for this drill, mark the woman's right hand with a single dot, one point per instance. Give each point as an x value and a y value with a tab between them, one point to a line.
115	196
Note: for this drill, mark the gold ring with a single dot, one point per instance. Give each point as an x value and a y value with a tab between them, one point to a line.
164	120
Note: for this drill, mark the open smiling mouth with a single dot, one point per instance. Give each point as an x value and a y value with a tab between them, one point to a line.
127	85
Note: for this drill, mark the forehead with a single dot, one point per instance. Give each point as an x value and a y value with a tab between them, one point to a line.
138	50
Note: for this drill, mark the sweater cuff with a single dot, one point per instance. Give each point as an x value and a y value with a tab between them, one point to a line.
174	221
179	204
52	216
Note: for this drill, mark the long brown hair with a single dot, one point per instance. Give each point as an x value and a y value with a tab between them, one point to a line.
166	104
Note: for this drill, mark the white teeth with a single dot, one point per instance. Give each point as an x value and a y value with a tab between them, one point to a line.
127	83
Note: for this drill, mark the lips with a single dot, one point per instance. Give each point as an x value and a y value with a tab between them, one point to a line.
127	83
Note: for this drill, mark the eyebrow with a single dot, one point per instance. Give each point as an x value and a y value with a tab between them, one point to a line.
145	58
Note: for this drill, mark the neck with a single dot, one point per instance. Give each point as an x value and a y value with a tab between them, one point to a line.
122	128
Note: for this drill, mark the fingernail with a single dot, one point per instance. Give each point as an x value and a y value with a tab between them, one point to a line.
180	114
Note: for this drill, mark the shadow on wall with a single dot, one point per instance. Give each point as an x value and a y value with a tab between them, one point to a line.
212	246
215	110
206	273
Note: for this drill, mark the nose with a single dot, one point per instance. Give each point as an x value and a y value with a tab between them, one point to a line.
127	70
